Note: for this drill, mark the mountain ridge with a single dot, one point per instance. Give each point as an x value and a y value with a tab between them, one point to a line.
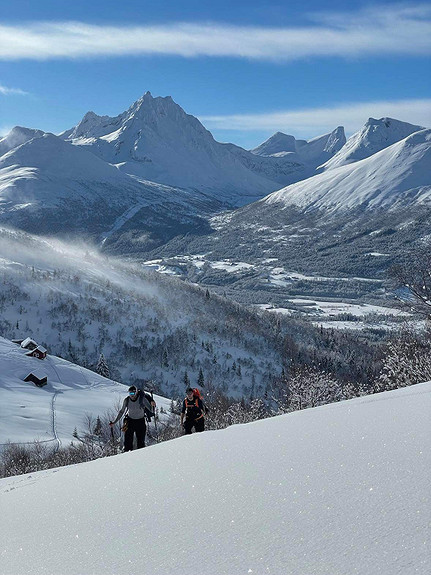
386	178
311	153
155	139
374	136
95	179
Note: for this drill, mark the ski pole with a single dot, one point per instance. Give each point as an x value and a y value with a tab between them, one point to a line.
113	439
155	419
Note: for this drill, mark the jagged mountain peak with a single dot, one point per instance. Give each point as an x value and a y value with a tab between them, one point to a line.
159	116
156	140
311	153
396	176
385	130
145	109
375	135
336	137
160	113
149	102
91	126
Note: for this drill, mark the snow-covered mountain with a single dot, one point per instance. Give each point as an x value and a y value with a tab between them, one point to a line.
51	414
312	153
153	173
397	176
376	135
156	140
338	489
16	137
91	182
48	185
348	221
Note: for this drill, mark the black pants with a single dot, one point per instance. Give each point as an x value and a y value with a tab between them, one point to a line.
198	424
139	427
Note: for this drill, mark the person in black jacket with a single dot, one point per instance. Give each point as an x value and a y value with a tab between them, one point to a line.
192	413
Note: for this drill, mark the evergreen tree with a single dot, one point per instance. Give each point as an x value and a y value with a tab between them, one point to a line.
102	367
98	427
165	361
201	379
186	380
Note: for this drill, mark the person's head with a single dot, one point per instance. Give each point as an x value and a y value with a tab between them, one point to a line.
189	392
133	392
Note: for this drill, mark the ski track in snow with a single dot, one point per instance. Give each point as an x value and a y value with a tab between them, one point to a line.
54	427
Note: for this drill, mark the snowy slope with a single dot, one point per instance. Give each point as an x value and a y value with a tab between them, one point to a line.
16	137
278	143
78	303
50	414
49	185
376	135
396	177
335	490
156	140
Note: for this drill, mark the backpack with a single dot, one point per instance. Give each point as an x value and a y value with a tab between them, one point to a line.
197	395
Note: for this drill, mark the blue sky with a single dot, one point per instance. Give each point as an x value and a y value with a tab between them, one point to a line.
245	69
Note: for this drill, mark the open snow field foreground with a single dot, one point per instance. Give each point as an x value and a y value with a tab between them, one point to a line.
341	489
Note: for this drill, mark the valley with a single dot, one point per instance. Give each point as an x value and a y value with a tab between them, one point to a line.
141	237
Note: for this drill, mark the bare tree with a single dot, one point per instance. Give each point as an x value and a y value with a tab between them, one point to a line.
412	279
407	361
306	386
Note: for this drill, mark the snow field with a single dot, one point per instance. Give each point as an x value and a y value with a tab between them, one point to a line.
51	413
336	490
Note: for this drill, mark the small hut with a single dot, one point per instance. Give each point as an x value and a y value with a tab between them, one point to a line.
37	377
28	343
39	352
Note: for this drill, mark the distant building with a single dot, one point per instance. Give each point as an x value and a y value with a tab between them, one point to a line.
28	343
34	349
37	377
39	352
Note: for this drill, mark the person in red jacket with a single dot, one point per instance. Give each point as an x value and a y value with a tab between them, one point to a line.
192	413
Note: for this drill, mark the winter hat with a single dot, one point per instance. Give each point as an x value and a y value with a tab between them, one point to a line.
133	388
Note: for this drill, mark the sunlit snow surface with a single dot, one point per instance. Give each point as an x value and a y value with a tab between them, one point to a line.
337	490
51	413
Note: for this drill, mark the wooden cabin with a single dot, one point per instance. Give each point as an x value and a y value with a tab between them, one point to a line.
28	343
37	377
39	352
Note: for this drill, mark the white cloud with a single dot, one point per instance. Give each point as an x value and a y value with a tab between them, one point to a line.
311	122
11	91
397	29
